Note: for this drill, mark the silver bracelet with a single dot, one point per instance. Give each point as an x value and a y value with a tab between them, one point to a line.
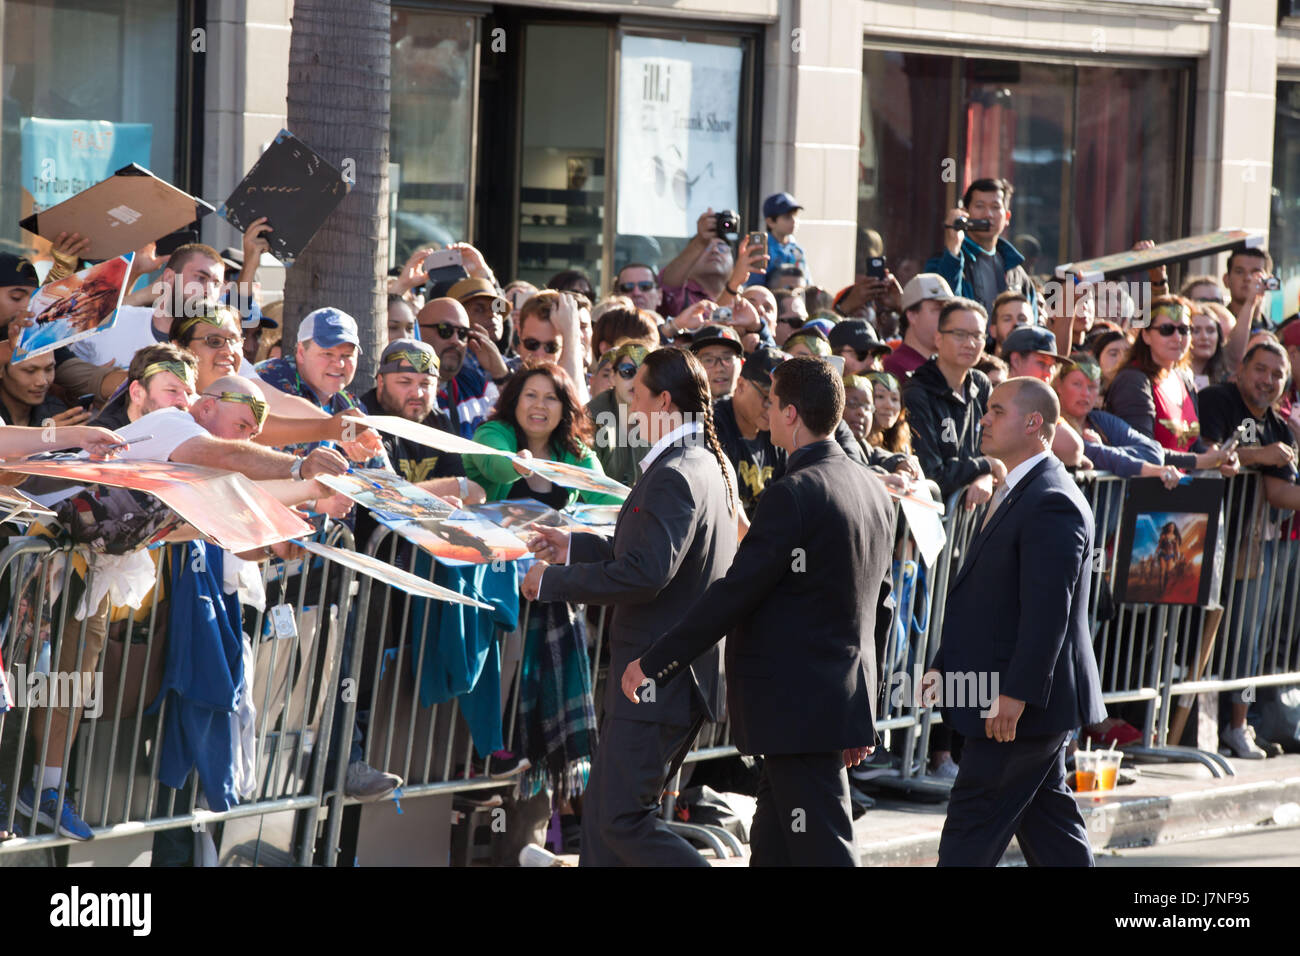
464	487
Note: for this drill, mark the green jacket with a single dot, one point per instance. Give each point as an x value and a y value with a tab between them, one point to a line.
497	474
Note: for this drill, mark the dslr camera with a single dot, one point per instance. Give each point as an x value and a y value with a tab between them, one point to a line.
727	223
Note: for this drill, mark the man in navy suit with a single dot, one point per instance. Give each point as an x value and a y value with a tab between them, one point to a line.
1017	615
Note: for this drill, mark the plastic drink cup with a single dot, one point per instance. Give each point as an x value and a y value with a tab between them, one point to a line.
1108	762
1085	770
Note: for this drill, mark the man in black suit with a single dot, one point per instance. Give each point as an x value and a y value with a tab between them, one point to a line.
1016	626
676	534
800	605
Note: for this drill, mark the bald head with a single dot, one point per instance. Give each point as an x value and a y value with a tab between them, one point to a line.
222	413
1020	421
444	324
1032	395
237	384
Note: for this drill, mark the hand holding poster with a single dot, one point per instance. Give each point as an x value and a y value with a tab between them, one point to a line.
126	211
456	541
1165	253
224	506
294	188
386	492
556	472
74	308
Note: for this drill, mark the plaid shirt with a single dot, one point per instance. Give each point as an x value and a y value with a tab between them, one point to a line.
282	373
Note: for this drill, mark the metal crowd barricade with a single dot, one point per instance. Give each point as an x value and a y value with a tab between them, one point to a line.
112	763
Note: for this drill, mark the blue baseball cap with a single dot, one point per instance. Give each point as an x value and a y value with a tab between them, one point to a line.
778	204
329	327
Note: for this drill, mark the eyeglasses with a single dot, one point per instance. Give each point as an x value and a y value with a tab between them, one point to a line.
1167	331
627	371
632	286
1216	299
259	407
532	345
717	361
233	342
793	321
961	335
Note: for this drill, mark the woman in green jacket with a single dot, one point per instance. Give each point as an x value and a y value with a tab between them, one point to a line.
538	414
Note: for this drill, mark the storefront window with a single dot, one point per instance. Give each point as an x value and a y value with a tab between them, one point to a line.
679	129
1093	153
94	65
1284	228
430	132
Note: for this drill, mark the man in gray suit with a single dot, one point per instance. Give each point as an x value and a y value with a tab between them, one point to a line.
676	535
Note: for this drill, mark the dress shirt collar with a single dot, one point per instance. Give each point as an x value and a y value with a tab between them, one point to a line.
1022	469
678	434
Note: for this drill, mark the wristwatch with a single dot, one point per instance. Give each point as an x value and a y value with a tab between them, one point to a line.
295	472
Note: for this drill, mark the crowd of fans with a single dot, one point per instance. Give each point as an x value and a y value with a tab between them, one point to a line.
1149	386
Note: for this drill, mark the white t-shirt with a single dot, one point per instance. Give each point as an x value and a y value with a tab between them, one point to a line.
132	332
169	427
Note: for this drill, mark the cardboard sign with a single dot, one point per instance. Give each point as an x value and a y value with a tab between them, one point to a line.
131	208
74	308
1166	253
294	188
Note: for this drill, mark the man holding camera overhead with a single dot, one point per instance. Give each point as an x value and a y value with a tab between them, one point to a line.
706	270
977	262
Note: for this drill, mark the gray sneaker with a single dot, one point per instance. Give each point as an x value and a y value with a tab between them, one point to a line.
364	782
1240	742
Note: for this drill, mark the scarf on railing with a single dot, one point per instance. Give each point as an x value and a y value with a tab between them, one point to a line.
557	715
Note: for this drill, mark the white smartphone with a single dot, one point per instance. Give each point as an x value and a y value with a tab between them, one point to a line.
442	259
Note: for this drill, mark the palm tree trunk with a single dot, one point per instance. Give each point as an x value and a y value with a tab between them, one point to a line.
338	103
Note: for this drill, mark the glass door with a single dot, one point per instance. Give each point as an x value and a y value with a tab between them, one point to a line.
562	172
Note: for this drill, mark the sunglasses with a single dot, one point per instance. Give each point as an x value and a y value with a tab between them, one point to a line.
793	321
632	286
223	341
1218	300
1170	330
259	407
532	345
626	371
445	330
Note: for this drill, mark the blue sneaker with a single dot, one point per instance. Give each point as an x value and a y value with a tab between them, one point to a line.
70	822
17	830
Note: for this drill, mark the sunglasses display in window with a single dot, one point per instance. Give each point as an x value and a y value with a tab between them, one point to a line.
532	345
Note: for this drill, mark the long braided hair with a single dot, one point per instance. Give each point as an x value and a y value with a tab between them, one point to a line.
680	374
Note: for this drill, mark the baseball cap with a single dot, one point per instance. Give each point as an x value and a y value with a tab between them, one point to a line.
472	288
823	326
1030	338
927	285
778	204
857	335
760	365
716	335
15	270
329	327
408	355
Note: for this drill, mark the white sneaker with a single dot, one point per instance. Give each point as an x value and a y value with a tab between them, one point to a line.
1241	741
945	768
